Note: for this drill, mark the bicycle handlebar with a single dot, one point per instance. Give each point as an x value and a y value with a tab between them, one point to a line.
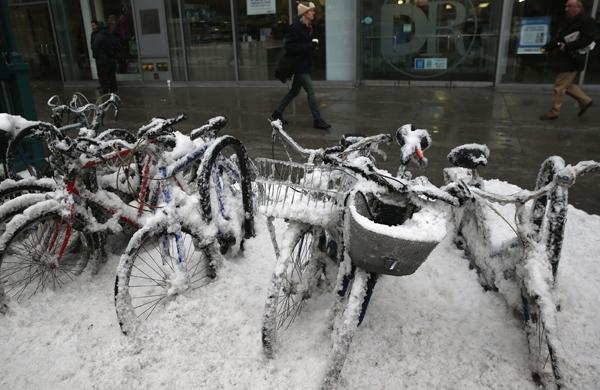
563	178
342	153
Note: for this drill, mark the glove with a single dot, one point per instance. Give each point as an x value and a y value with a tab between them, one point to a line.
315	43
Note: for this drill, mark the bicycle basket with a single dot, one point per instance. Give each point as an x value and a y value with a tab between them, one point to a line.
303	192
392	239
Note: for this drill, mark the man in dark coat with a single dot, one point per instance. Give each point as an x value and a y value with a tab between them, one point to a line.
300	45
568	50
103	51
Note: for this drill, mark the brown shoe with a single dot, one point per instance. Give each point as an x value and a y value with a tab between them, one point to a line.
583	109
548	116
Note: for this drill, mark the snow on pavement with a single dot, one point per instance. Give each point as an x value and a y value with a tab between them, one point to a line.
435	329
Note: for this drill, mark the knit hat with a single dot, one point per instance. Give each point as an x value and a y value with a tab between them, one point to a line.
303	8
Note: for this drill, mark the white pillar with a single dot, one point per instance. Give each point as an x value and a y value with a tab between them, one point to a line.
340	33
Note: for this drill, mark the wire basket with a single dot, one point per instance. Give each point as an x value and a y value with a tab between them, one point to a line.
302	192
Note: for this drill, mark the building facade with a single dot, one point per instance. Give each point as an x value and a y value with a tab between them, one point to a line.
470	42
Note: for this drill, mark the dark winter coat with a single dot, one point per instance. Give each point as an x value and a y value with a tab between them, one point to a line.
104	46
569	60
298	44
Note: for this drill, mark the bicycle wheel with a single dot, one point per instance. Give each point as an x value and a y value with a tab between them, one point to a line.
225	192
42	251
28	154
345	326
550	212
114	134
17	206
149	273
542	356
10	189
293	283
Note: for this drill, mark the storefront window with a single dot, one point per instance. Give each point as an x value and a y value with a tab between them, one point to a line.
592	72
209	40
72	46
261	29
118	17
534	22
176	45
425	39
32	26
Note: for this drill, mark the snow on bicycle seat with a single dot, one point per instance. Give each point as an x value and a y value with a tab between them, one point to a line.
413	142
469	156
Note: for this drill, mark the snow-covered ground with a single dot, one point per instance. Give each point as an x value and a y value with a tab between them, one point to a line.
435	329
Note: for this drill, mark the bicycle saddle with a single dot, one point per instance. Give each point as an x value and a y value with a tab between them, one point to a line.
469	156
413	142
210	129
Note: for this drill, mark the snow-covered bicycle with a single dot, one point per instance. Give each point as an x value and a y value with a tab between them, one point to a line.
523	265
27	153
340	199
55	236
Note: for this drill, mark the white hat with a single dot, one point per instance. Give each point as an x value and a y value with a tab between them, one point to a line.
303	8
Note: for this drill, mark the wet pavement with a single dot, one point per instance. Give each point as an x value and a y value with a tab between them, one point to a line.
506	120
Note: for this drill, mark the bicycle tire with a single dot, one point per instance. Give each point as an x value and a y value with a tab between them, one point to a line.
292	284
10	189
26	267
550	212
234	223
19	156
138	264
16	206
113	134
345	327
545	370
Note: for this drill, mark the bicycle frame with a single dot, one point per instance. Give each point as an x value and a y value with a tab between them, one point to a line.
167	172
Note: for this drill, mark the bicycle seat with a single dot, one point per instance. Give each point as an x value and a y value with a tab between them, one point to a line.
469	156
210	128
158	127
413	142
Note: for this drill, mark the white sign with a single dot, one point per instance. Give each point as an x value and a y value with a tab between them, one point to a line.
260	7
533	35
431	63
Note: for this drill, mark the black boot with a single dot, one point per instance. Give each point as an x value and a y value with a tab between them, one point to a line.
277	115
321	124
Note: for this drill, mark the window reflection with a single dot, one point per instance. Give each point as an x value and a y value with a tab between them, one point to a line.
438	40
532	68
208	38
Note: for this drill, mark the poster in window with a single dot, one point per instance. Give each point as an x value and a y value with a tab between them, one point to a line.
533	34
260	7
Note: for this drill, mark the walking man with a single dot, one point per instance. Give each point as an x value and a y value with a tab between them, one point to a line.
300	45
568	50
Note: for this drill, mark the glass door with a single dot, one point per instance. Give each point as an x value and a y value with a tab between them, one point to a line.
592	71
261	29
32	25
531	19
208	36
117	16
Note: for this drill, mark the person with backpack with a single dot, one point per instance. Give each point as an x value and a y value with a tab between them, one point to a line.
299	48
567	52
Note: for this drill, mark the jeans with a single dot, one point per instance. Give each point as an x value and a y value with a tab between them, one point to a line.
301	80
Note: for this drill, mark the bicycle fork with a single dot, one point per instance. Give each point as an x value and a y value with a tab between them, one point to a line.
172	218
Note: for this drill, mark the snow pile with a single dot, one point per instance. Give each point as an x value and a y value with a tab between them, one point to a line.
13	124
435	329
